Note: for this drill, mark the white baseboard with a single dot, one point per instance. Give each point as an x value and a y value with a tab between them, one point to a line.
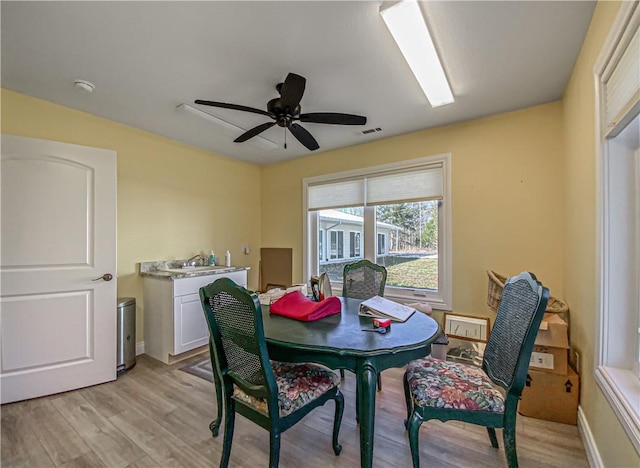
139	348
590	447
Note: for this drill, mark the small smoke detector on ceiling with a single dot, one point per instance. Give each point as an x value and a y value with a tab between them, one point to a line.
84	86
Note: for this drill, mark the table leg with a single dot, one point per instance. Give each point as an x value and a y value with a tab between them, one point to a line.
367	381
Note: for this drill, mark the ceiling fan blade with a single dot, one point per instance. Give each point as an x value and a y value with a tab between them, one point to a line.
234	106
254	131
304	137
292	91
333	118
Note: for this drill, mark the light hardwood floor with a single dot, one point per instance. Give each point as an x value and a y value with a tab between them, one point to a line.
158	416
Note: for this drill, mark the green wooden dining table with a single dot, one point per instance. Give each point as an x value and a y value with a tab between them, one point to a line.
338	342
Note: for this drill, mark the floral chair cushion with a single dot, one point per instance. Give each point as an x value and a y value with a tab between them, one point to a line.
298	384
450	385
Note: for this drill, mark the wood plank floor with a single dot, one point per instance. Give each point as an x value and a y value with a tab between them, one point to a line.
158	416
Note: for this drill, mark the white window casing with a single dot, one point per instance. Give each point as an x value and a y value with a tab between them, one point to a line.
617	79
420	179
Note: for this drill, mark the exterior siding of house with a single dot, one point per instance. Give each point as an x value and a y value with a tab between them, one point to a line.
340	237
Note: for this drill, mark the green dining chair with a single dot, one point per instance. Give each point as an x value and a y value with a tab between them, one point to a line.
363	280
273	394
436	389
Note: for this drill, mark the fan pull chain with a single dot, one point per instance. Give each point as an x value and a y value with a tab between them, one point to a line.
285	138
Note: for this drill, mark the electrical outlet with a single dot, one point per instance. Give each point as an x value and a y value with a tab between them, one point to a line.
245	249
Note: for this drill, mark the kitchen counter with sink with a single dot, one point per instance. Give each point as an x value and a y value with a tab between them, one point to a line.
173	269
174	322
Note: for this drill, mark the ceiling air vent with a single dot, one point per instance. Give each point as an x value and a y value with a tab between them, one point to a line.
371	130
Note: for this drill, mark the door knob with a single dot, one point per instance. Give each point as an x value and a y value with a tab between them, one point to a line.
106	277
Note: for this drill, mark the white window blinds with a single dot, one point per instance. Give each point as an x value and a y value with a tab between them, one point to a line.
419	183
622	89
338	194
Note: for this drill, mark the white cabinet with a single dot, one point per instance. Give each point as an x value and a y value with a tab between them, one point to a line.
174	322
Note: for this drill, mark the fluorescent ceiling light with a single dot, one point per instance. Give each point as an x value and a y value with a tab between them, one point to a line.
258	140
408	28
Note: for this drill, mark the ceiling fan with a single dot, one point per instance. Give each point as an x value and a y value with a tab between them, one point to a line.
285	110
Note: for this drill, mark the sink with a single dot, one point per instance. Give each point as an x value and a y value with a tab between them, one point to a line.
196	269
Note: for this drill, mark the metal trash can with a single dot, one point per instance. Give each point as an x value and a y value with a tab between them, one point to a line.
126	352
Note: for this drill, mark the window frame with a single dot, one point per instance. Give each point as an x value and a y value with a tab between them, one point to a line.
442	298
618	381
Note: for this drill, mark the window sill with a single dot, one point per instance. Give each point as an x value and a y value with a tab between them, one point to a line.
621	388
436	301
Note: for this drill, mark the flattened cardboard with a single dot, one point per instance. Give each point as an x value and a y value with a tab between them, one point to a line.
551	397
276	268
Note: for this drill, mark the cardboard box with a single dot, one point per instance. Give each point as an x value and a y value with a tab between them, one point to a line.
551	348
551	397
276	268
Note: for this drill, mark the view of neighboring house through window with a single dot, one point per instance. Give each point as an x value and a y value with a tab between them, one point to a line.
333	224
395	215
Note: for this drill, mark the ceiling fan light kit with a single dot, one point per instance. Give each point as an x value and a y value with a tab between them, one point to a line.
285	111
409	29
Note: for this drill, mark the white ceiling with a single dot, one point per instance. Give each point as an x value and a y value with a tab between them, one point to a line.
146	58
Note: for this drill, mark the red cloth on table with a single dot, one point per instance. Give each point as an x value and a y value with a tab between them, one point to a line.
297	306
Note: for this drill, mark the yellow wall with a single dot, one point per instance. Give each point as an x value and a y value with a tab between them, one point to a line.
523	198
580	199
173	200
507	186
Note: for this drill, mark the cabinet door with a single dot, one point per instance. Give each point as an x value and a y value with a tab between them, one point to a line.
190	326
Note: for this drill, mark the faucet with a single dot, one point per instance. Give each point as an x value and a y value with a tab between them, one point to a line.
191	261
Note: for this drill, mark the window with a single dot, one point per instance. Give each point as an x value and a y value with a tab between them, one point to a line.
354	244
337	244
321	253
410	236
617	359
397	215
382	243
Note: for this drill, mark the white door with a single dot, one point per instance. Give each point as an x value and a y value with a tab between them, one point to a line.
58	267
